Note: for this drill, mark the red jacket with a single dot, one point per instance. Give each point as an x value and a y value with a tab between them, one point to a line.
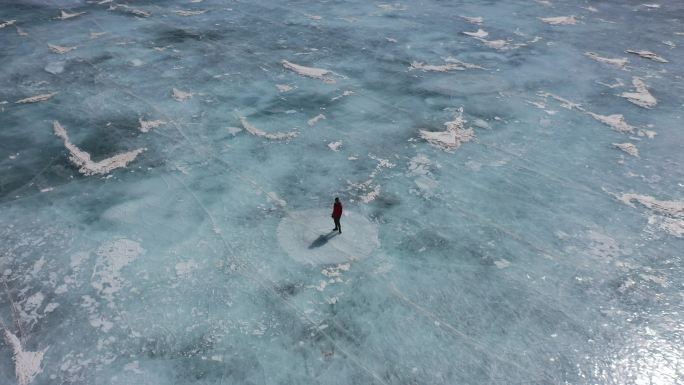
337	210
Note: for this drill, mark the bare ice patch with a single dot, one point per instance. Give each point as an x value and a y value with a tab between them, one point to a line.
82	160
306	237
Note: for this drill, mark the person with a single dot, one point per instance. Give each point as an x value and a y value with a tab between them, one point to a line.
337	214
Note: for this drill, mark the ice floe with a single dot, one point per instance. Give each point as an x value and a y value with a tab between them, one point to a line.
648	55
629	148
641	97
60	49
617	62
316	73
27	365
454	135
559	20
181	95
37	98
81	159
254	130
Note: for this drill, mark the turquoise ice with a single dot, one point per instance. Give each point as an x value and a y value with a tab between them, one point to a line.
512	174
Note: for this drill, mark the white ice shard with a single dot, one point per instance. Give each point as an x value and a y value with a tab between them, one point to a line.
316	73
479	33
648	55
181	95
559	20
37	98
315	119
618	62
189	13
629	148
27	365
454	135
616	121
147	125
82	160
452	65
66	15
7	23
60	49
252	129
641	97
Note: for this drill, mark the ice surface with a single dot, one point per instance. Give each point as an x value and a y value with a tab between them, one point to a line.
513	193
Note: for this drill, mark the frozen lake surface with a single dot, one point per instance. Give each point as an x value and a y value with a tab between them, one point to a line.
512	171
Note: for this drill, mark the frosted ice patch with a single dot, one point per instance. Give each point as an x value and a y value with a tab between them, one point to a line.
306	237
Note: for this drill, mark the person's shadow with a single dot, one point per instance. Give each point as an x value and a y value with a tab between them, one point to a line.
322	240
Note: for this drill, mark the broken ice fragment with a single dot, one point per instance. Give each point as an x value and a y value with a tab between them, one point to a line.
252	129
454	135
641	97
559	20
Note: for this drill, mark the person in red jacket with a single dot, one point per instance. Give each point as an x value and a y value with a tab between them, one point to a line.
337	214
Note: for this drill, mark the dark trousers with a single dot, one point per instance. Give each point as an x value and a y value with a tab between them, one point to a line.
338	226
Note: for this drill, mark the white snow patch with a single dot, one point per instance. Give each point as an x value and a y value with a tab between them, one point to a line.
648	55
37	98
616	121
82	160
559	20
617	62
60	49
284	87
641	97
113	256
316	73
454	135
473	20
502	263
66	15
335	146
315	119
629	148
479	33
181	95
147	125
189	13
27	365
252	129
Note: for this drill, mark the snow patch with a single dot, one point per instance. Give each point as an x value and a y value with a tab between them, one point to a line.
641	97
629	148
37	98
617	62
315	119
27	365
82	160
147	125
316	73
60	49
252	129
454	135
559	20
181	95
648	55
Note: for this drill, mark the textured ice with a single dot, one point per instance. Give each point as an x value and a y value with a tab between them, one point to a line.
533	237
